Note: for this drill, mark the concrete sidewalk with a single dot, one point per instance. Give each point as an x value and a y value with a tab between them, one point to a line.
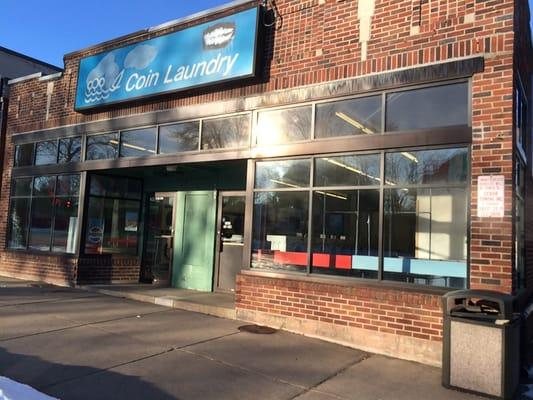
73	344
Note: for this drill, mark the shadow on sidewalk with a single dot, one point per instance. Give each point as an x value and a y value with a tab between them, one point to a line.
68	382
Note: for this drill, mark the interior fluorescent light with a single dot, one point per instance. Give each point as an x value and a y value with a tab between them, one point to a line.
284	183
410	156
337	196
357	171
355	123
132	146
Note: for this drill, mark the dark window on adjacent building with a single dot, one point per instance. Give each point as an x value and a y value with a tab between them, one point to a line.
138	143
426	108
69	150
177	138
224	133
46	152
284	126
521	119
520	223
24	154
113	215
102	147
361	116
44	213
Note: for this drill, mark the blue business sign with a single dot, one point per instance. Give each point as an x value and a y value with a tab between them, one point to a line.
213	52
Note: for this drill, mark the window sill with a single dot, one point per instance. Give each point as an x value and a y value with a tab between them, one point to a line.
350	282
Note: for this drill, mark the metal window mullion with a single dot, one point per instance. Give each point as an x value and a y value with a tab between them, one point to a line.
310	217
313	121
381	217
157	133
248	215
200	133
383	111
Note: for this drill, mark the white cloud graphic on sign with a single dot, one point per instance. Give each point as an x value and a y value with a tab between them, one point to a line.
140	57
102	79
106	68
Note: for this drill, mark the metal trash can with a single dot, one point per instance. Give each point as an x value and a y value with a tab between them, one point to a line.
481	343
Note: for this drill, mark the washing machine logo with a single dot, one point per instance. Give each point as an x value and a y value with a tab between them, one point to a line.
219	36
107	76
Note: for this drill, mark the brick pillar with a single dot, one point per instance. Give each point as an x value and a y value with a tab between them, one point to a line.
491	246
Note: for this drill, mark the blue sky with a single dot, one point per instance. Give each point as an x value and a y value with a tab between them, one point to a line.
48	30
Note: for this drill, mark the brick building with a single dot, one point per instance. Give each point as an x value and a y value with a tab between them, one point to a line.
322	159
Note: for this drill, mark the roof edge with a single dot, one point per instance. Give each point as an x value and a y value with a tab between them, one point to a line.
202	14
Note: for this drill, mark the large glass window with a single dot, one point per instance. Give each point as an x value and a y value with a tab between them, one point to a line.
282	174
431	107
46	152
284	126
425	228
138	143
179	137
359	170
69	150
424	214
361	116
102	147
280	230
24	154
345	232
223	133
44	213
113	216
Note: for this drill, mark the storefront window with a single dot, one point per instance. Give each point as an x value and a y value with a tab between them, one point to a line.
179	137
43	213
102	147
361	116
280	230
24	154
224	133
284	126
138	143
444	166
346	232
424	214
283	174
431	107
46	152
360	170
425	228
69	150
113	216
19	218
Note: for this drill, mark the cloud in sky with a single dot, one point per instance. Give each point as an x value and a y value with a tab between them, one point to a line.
140	57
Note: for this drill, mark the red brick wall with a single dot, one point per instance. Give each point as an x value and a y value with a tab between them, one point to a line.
383	310
60	270
106	269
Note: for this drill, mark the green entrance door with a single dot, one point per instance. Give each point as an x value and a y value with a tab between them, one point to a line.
194	243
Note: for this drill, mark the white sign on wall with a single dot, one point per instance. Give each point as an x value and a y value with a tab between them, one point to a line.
490	196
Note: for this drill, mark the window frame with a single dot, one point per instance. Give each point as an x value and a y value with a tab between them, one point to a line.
79	197
85	208
251	190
